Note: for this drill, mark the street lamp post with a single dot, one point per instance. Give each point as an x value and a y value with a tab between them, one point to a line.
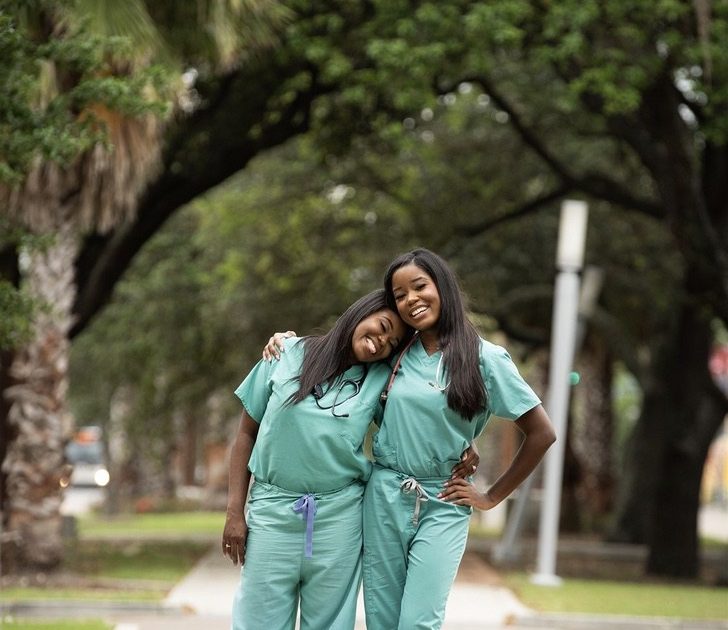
569	261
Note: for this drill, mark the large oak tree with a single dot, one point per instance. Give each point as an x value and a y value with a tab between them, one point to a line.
646	84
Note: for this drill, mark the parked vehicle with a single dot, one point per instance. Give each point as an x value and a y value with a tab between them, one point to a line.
85	452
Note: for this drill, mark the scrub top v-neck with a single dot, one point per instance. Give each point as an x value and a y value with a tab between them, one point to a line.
302	447
419	434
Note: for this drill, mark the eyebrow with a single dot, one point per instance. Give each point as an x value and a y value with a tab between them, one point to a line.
415	279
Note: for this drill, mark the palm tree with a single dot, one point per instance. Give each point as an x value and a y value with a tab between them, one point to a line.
63	203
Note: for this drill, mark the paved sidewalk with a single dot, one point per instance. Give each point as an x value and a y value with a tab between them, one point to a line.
203	600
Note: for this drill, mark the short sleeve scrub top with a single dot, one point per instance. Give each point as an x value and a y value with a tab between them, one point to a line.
304	510
413	541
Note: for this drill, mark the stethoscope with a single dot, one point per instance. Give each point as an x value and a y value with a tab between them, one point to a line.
434	384
318	393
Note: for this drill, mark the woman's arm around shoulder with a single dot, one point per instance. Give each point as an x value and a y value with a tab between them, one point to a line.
276	345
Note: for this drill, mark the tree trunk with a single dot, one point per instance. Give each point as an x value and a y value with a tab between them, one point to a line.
9	272
189	450
697	409
682	412
641	468
37	416
590	434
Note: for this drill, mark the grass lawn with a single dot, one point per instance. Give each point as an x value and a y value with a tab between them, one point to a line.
158	525
55	624
147	560
140	571
622	598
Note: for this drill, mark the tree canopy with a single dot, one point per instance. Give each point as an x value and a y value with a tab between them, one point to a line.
621	103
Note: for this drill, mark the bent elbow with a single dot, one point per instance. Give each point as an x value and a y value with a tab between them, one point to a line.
549	438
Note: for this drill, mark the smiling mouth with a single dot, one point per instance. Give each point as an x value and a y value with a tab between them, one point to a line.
418	311
371	345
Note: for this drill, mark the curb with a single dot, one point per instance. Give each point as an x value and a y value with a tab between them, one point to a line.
595	622
53	608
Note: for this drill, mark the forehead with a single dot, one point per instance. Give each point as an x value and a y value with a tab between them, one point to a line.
409	273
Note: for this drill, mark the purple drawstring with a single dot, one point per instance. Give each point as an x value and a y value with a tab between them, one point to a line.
307	505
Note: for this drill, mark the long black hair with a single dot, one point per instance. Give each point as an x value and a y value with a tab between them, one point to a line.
459	340
327	356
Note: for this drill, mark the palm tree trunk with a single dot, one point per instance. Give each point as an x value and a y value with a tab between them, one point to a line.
34	464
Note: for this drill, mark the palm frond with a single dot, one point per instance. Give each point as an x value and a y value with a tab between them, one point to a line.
128	19
243	28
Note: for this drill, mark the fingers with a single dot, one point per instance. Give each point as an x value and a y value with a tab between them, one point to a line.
239	555
272	349
459	471
275	346
456	491
463	470
234	549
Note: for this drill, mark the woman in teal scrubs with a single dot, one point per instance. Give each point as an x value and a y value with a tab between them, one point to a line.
301	434
450	382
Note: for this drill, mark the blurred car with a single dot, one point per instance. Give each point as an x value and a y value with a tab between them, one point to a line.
85	452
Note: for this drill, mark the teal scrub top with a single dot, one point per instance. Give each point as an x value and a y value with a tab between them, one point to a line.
420	435
301	447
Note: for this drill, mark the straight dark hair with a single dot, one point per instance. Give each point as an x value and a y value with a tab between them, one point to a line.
327	356
459	340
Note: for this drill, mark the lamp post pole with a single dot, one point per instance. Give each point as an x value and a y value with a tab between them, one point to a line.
569	261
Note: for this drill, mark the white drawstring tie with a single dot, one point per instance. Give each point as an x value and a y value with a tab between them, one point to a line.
410	486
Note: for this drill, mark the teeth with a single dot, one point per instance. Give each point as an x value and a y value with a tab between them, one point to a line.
370	344
418	311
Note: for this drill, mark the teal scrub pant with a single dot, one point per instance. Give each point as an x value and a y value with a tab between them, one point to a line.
277	576
411	555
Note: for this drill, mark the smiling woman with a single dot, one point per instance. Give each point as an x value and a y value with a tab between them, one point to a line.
416	512
301	434
377	336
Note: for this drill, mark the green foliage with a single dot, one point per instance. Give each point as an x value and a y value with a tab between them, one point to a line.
153	338
25	127
16	308
213	34
191	316
51	81
384	63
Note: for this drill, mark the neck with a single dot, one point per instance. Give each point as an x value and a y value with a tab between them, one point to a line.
430	341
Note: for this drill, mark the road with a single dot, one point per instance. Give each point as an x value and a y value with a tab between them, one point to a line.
79	500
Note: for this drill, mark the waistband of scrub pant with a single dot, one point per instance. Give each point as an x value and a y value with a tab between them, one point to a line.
304	504
424	489
429	482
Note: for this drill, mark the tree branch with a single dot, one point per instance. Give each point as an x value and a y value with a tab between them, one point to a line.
526	209
593	184
206	149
